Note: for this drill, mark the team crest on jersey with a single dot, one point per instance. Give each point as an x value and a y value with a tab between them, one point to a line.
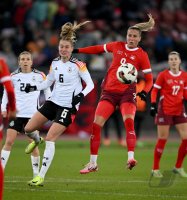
11	123
119	52
33	78
69	70
181	82
170	81
132	57
56	68
19	80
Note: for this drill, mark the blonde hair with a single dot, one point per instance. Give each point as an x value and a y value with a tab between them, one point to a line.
68	31
145	26
24	52
174	53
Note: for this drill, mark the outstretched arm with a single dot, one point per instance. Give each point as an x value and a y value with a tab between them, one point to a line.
90	50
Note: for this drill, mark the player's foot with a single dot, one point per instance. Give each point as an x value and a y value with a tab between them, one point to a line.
156	173
90	167
122	143
180	171
106	142
37	181
33	145
131	163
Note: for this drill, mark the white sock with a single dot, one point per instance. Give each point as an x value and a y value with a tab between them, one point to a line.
130	155
35	161
47	158
93	159
4	157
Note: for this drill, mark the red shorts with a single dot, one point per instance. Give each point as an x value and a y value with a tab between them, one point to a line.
163	119
128	96
125	101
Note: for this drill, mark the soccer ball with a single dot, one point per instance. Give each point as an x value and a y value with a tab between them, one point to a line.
127	73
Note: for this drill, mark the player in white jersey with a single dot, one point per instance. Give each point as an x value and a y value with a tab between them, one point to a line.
26	104
66	73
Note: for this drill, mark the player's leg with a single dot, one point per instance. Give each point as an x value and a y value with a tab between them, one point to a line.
106	137
5	152
1	181
103	112
182	151
34	124
163	133
128	112
54	132
1	168
35	161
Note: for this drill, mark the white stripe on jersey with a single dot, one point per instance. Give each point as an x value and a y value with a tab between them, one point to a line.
157	86
146	71
105	49
5	78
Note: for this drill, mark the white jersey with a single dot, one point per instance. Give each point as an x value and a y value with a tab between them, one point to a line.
26	103
67	81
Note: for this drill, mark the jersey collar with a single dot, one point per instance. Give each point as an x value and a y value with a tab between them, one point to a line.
134	49
175	74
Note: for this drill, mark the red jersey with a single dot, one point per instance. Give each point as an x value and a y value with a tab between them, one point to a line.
121	53
6	81
172	90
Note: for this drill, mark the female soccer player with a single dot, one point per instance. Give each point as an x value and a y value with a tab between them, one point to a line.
116	93
6	81
66	73
172	86
26	106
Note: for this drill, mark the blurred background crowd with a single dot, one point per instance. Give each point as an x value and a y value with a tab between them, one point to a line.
35	25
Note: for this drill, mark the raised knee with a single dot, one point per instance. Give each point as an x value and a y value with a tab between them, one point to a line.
27	129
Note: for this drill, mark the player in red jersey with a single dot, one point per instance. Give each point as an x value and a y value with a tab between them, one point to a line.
115	93
172	85
5	80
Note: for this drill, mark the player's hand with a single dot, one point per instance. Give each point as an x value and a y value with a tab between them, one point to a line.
4	114
73	110
153	109
77	99
142	95
30	88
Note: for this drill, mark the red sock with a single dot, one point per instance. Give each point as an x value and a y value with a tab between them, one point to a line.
130	134
159	148
181	153
1	182
95	139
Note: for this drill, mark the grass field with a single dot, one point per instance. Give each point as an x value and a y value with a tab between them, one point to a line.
112	182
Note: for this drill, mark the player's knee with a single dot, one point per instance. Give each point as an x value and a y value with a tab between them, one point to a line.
27	129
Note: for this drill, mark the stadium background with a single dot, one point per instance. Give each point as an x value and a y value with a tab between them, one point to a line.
34	25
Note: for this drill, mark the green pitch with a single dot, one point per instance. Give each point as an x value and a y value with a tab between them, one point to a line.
112	182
